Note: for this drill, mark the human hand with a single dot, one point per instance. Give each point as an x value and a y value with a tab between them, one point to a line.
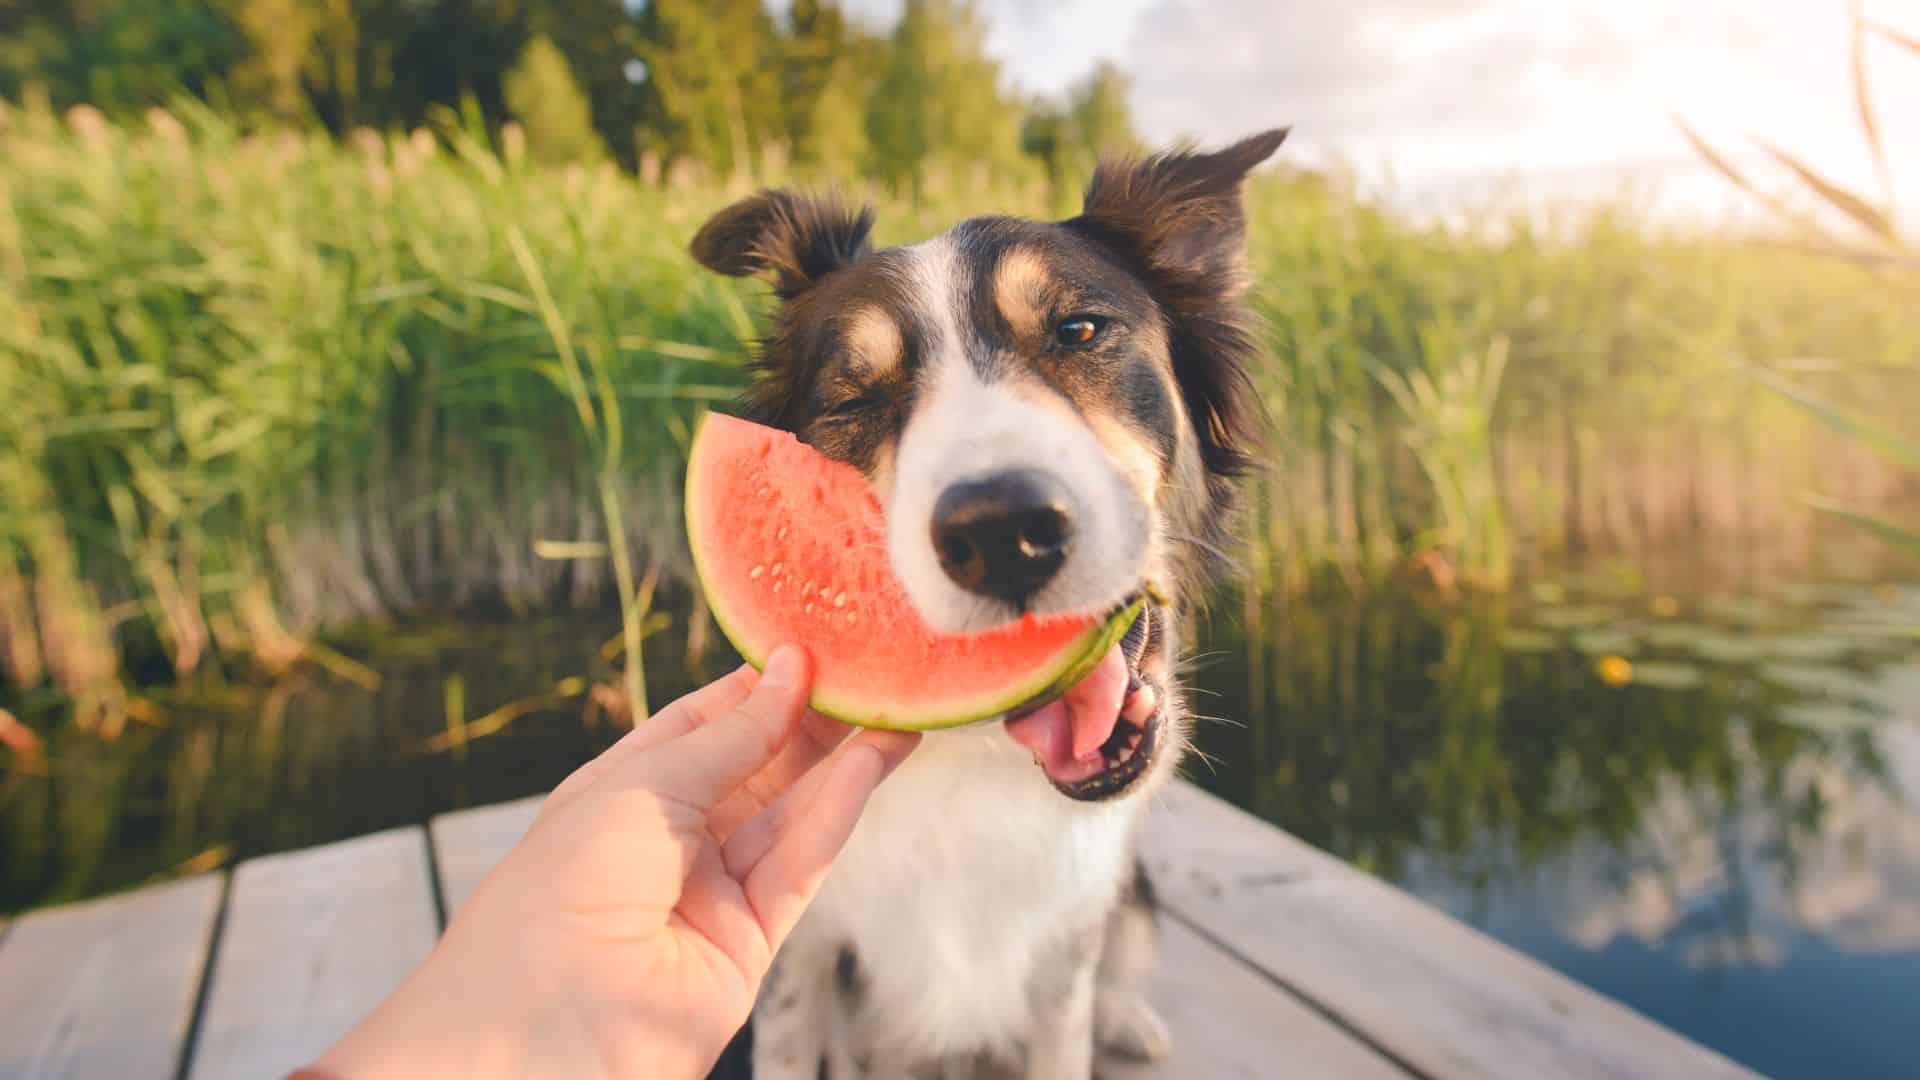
627	934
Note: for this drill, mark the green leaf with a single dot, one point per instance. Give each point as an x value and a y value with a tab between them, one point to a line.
1726	168
1887	443
1865	214
1863	104
1897	535
569	549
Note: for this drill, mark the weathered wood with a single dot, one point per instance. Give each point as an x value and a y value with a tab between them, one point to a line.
313	941
467	844
105	988
1442	997
1229	1022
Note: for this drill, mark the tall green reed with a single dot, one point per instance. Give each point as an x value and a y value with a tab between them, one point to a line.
261	383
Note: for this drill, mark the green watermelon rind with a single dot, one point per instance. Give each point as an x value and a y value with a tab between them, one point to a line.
1048	683
1044	686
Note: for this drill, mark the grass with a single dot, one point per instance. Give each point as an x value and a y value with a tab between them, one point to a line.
259	384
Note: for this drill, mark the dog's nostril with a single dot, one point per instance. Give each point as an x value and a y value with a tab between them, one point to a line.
1044	533
956	549
1003	535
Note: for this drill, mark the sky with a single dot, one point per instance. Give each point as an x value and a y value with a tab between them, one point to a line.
1445	99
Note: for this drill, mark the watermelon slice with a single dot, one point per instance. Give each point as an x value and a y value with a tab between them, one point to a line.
790	546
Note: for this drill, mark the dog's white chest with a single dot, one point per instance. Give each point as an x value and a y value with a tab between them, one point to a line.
965	868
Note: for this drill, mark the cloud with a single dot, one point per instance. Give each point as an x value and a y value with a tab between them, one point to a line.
1455	87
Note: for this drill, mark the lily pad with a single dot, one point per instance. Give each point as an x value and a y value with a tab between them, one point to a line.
1674	634
1601	642
1722	647
1742	610
1828	717
1519	639
1820	680
1573	617
1668	674
1548	592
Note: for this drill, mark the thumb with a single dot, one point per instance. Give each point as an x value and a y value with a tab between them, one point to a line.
705	765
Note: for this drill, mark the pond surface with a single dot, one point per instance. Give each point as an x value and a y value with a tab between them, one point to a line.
1708	808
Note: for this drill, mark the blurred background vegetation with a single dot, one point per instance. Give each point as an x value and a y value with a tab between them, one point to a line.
333	331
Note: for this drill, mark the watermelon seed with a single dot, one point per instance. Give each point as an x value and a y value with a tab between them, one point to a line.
754	574
779	569
808	610
840	601
778	584
852	618
807	589
781	533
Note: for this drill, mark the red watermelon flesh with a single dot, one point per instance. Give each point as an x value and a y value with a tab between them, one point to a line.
790	547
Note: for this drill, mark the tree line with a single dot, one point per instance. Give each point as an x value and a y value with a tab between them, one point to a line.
724	86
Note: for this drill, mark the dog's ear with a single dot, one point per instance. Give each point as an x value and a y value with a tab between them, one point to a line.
1180	213
793	239
1179	220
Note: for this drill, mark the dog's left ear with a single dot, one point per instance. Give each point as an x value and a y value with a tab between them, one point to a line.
793	239
1178	218
1180	213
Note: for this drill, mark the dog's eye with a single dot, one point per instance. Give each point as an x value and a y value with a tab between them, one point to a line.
855	405
1079	331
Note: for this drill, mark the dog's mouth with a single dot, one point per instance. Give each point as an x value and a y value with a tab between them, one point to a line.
1101	736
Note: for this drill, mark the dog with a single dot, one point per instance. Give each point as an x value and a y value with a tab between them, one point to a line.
1052	415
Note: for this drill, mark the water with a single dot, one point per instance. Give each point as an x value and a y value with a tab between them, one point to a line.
1705	808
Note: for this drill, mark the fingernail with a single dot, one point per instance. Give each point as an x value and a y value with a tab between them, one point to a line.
786	667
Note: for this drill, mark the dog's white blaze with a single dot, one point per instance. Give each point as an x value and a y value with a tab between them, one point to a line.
961	873
964	427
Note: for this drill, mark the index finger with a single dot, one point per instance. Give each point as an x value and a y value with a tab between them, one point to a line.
705	765
690	711
813	739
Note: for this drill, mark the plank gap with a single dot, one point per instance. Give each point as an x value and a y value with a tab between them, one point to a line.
1306	1000
192	1040
436	888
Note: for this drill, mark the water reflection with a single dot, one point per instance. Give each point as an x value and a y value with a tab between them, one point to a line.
1707	809
223	770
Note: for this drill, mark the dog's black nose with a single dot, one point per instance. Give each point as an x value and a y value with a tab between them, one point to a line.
1004	535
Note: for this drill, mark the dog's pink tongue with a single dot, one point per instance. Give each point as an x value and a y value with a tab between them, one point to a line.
1066	735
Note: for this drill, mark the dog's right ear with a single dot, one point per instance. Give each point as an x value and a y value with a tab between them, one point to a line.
794	240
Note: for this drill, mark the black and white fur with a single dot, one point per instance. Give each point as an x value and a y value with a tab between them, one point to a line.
984	920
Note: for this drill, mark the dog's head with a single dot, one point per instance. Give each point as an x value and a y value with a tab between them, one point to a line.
1050	413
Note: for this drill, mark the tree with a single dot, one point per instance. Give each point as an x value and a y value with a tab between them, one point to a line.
543	96
116	54
1069	139
711	93
938	105
828	68
599	39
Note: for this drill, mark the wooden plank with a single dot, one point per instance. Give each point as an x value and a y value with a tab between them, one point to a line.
313	941
1438	995
467	844
106	988
1227	1020
1229	1023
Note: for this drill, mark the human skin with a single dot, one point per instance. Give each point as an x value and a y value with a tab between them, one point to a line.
627	934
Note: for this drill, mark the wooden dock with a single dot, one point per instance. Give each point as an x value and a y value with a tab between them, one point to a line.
1277	960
